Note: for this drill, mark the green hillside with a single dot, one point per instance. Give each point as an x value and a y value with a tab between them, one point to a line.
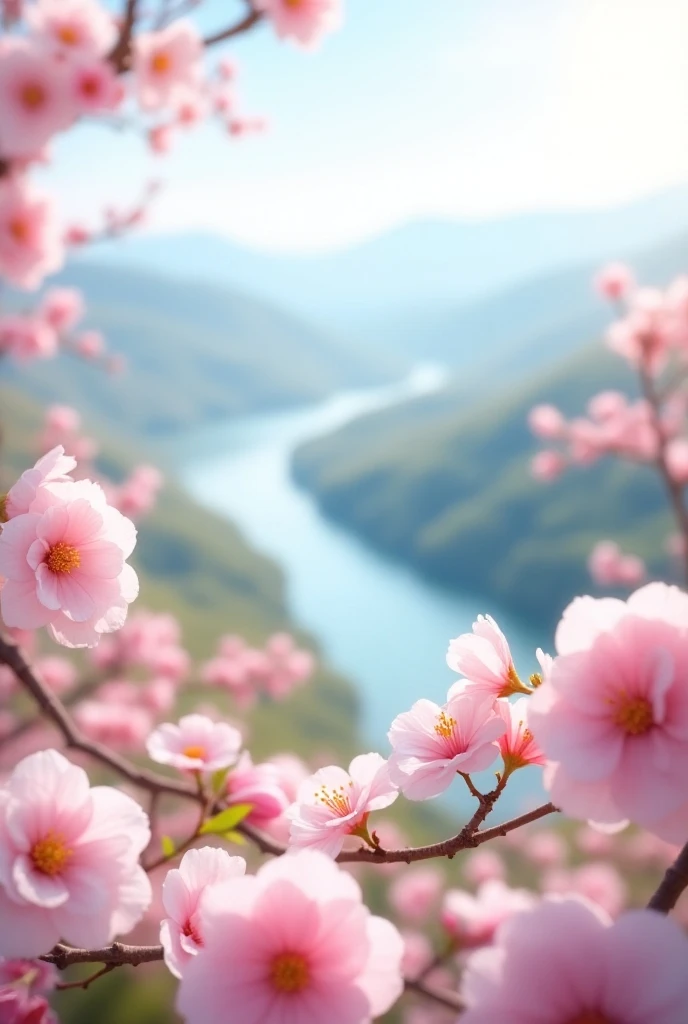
194	352
444	484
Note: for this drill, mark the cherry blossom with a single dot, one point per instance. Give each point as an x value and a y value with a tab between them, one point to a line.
181	932
334	804
68	858
472	921
484	658
565	961
167	65
30	246
195	744
305	21
517	745
303	946
431	743
612	718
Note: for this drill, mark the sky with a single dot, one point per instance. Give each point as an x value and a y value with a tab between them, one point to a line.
416	109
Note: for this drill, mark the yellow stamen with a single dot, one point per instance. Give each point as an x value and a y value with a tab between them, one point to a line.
197	752
63	558
445	725
290	972
634	715
160	62
336	799
33	95
294	4
50	854
513	684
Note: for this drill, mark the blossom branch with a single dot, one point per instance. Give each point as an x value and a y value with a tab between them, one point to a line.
673	488
675	881
251	18
120	57
438	995
55	711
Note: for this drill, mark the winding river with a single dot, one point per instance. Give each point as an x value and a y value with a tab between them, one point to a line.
379	623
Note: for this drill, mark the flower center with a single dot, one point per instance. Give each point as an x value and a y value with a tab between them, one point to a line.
90	86
192	932
634	715
68	35
19	229
197	752
50	854
336	799
33	95
160	62
445	725
293	4
290	972
63	557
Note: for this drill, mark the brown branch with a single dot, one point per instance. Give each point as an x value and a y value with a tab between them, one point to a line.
674	490
675	881
55	711
115	955
247	22
438	995
120	55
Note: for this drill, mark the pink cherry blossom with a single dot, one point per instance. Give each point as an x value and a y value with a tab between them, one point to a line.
259	785
54	467
484	865
615	281
473	920
546	849
120	726
602	884
431	743
547	465
305	21
73	27
195	744
90	344
65	564
677	460
30	246
181	932
303	947
19	1006
94	86
547	422
484	658
167	65
517	746
68	858
415	893
613	716
565	962
34	99
62	308
35	975
608	566
27	337
334	804
58	674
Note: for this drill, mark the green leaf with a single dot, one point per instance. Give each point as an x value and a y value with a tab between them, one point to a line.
226	820
234	837
218	778
168	847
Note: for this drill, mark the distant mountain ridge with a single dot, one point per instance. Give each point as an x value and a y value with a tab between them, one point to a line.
196	352
418	269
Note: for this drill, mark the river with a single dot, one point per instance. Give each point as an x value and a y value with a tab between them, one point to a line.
378	622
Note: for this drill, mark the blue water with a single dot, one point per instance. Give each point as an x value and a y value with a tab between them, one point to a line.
378	622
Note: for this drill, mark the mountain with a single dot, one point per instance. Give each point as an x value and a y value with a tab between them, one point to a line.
195	352
444	484
386	288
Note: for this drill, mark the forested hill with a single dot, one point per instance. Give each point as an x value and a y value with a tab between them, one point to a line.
195	353
445	485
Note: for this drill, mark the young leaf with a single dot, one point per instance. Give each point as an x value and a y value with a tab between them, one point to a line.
168	847
226	820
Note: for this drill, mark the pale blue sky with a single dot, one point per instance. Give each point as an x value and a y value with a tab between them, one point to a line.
417	108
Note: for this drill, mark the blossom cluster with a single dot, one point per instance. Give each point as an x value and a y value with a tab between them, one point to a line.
247	672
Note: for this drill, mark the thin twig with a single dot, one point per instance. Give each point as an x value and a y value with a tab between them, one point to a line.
66	985
120	55
115	955
438	995
674	490
55	711
675	881
247	22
